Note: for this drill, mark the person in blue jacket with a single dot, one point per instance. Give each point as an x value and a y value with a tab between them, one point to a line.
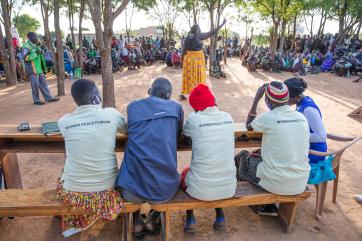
321	167
149	169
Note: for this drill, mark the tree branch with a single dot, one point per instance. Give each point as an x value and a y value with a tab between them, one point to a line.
120	9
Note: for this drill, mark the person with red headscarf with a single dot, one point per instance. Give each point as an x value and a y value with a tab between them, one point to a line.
212	172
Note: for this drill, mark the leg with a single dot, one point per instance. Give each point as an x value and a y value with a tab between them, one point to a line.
43	85
219	223
34	82
322	189
287	212
335	184
11	172
138	224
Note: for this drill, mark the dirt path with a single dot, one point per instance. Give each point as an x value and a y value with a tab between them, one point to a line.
336	96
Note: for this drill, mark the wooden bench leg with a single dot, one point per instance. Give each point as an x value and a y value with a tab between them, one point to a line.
166	226
11	172
126	227
287	212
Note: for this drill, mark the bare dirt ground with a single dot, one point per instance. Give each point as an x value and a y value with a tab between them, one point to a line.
336	96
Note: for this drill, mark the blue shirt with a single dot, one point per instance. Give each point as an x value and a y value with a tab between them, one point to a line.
149	167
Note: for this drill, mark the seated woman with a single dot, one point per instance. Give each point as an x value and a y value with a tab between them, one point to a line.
321	168
90	169
212	173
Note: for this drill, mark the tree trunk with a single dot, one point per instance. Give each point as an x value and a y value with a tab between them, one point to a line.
282	32
212	40
104	39
49	42
12	80
311	26
60	51
359	29
294	32
80	33
194	13
5	59
275	38
341	21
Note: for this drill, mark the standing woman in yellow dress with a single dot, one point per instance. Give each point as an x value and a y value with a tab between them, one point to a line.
194	66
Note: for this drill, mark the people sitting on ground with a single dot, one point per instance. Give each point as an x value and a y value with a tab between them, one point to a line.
321	167
149	169
176	58
211	174
68	62
90	169
282	166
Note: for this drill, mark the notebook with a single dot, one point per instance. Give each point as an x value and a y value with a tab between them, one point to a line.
50	128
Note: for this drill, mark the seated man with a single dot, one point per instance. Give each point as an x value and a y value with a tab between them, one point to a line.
212	173
90	169
283	167
149	169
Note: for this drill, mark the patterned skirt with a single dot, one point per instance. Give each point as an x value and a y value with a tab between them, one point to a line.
104	205
194	71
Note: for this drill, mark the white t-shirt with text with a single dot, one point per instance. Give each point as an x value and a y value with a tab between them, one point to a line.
90	136
284	150
212	174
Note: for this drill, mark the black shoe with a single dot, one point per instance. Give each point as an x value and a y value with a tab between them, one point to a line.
55	99
39	103
266	210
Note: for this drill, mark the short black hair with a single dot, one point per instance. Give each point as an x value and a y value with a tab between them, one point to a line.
296	86
82	91
161	88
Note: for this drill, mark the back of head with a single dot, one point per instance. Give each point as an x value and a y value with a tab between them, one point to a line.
277	93
201	98
296	86
195	29
161	88
85	92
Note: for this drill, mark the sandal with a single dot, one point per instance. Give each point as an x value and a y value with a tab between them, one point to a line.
140	235
219	224
153	223
190	226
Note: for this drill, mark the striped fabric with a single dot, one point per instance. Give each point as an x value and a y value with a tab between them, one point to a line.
277	95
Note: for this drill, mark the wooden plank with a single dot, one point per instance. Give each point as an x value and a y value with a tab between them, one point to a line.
57	146
35	134
246	194
11	171
40	202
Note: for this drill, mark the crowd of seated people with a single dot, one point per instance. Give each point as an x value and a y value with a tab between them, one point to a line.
309	55
148	174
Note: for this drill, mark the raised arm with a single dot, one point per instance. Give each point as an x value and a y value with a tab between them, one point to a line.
252	112
204	36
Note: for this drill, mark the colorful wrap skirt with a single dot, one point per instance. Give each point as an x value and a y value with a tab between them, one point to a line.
194	71
104	205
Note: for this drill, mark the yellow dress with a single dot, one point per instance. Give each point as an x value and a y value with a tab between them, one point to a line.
194	71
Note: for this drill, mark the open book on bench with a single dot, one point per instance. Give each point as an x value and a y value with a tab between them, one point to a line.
50	128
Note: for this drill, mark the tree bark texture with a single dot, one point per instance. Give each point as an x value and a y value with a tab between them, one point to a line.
60	50
12	80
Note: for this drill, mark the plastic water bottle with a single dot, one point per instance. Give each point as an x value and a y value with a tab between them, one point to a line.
71	75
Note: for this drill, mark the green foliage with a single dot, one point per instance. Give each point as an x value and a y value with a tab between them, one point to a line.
261	40
26	23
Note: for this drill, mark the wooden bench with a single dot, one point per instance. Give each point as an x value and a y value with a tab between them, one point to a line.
245	195
43	202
